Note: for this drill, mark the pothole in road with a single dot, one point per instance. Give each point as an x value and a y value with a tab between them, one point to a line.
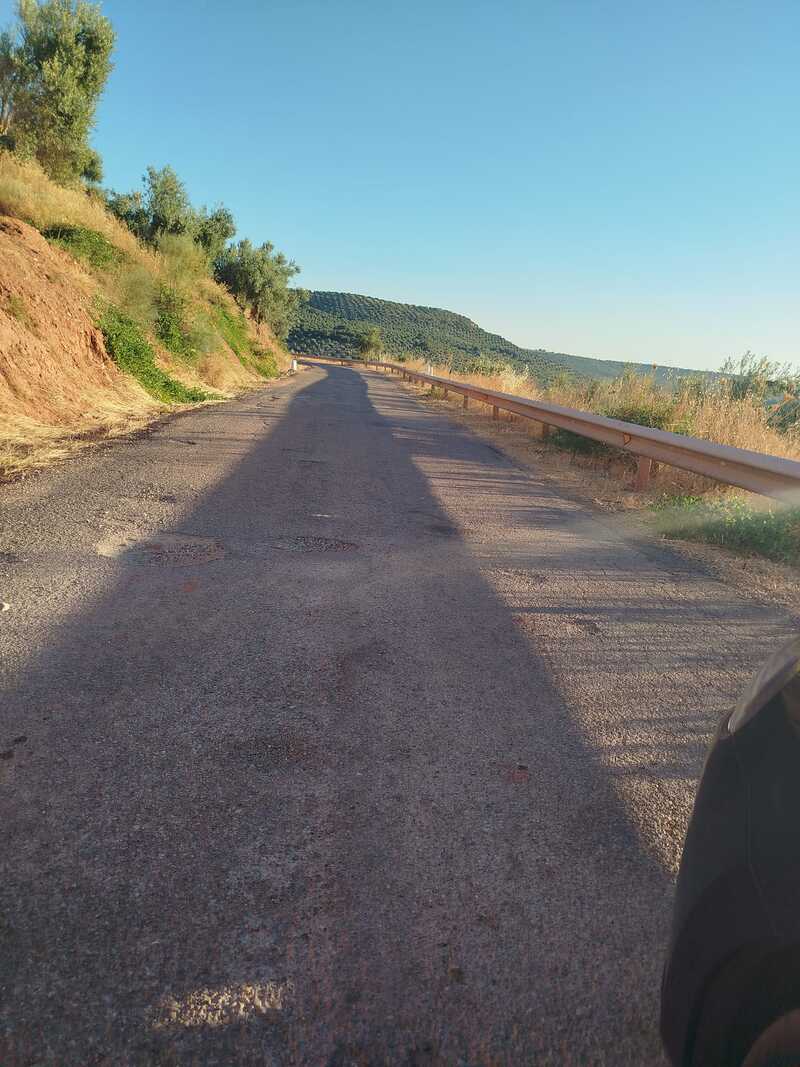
166	550
312	544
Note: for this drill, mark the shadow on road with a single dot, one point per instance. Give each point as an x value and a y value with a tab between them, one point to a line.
311	803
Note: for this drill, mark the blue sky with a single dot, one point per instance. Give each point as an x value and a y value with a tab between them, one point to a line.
605	178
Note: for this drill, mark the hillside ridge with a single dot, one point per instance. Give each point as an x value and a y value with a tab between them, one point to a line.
332	323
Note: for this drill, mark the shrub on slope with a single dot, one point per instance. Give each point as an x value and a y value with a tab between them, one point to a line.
56	378
131	352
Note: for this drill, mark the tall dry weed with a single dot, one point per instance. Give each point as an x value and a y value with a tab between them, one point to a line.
704	408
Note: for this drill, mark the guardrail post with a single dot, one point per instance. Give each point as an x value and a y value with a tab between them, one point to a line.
495	412
466	402
445	393
644	466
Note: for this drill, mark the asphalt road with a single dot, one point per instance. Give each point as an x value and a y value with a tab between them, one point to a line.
331	737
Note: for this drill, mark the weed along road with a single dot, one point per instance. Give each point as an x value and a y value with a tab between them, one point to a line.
331	737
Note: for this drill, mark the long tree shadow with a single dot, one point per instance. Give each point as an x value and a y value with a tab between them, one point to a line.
300	788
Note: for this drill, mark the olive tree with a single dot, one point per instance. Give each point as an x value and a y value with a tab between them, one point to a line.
258	278
370	343
53	67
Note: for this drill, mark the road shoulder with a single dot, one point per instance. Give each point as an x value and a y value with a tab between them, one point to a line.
609	490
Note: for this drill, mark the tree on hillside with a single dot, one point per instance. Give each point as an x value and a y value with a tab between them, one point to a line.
167	204
371	342
10	79
92	171
53	67
163	208
193	240
214	230
129	208
258	278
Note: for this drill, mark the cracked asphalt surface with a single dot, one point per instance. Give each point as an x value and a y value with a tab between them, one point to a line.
329	736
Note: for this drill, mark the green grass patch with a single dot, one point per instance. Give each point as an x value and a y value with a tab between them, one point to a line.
171	326
133	354
84	244
731	523
264	363
786	415
234	330
659	416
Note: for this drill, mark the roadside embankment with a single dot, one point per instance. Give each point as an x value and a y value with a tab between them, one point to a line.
99	334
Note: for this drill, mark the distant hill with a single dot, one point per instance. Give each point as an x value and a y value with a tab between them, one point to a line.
331	324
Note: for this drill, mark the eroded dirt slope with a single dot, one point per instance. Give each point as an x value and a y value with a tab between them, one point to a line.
59	386
56	378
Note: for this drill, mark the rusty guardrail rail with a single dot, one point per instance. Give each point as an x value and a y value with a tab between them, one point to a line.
757	472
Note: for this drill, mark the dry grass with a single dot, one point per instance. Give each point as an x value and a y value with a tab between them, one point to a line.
708	413
27	193
27	444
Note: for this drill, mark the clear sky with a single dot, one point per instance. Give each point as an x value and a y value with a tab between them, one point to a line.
617	179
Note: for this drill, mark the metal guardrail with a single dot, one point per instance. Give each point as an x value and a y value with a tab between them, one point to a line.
757	472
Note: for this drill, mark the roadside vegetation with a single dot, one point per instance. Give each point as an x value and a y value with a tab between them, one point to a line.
130	350
751	403
732	523
186	312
